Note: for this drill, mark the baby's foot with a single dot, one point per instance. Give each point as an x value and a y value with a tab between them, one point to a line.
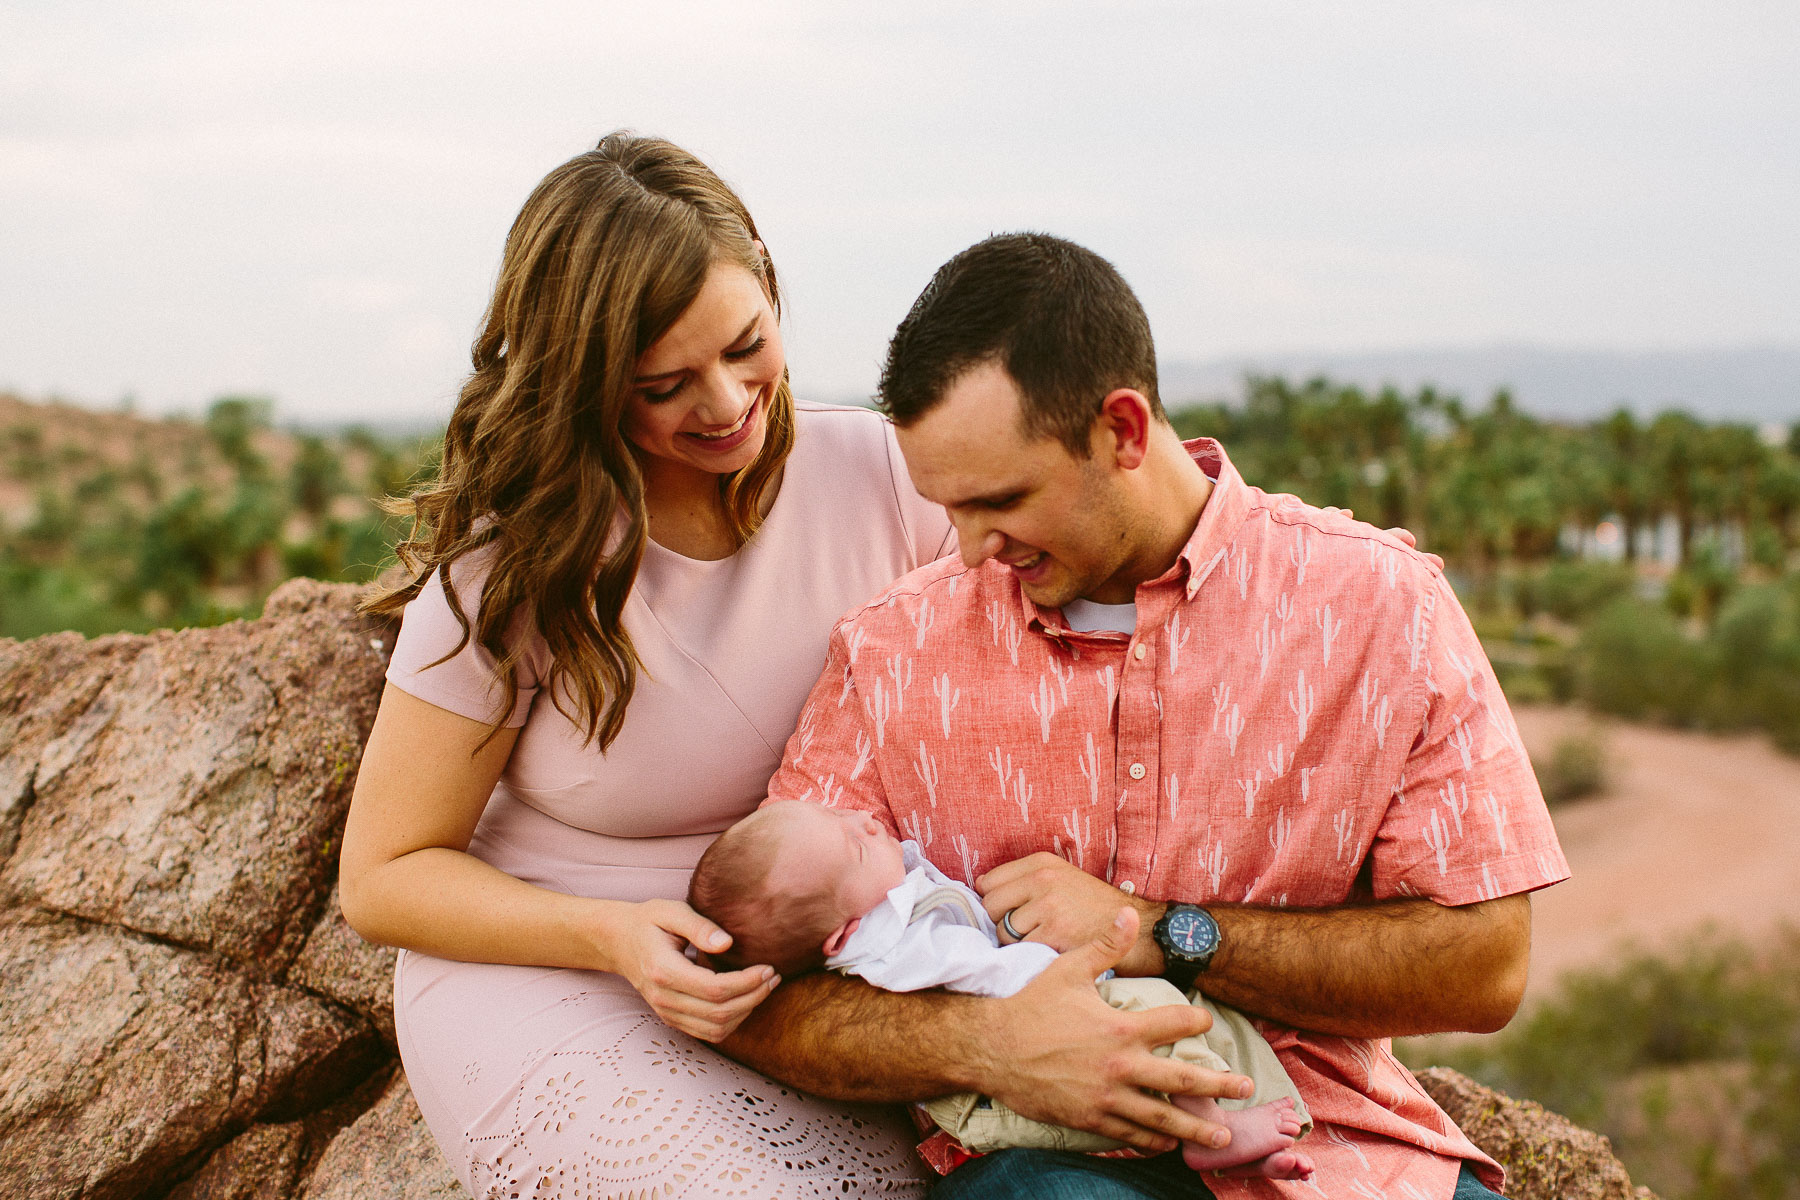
1256	1134
1283	1164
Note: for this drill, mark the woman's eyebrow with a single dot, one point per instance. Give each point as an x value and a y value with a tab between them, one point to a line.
742	334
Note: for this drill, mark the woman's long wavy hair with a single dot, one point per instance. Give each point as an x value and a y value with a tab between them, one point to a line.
606	255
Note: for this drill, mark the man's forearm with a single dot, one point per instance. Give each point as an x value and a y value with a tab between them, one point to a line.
1391	969
1361	970
845	1040
1054	1052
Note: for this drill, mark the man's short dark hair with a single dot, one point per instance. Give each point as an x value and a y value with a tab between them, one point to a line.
1058	318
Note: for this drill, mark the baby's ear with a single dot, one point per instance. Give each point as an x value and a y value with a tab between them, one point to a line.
834	941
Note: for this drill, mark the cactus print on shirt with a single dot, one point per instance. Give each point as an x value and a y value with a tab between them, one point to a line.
1303	717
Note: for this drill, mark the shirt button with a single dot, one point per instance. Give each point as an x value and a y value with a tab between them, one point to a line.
1138	652
1128	887
1137	770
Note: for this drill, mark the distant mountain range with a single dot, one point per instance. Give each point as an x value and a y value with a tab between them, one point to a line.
1755	384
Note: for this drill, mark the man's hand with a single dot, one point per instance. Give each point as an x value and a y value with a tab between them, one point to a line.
1057	903
1059	1053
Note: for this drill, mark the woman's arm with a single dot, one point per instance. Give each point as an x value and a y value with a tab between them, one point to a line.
406	879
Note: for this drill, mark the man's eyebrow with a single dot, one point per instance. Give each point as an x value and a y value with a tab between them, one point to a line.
998	496
742	334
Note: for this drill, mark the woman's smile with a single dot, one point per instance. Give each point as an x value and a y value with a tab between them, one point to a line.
732	436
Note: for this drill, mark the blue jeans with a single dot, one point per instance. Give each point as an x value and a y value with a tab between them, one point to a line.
1060	1175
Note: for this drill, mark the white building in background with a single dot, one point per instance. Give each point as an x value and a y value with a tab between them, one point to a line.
1657	545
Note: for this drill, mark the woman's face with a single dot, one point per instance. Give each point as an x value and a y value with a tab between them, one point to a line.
702	390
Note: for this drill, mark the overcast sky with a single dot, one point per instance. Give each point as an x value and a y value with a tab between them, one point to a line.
308	200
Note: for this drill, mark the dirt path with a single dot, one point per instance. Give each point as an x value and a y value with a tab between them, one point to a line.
1690	829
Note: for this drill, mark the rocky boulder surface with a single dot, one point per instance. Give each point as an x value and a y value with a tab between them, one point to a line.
1546	1157
181	1006
184	1014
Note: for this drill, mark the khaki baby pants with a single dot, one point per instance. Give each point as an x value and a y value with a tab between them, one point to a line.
1232	1044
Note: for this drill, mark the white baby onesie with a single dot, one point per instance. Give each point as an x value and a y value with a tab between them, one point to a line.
931	931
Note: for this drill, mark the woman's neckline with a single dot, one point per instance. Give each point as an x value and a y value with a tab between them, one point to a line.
771	503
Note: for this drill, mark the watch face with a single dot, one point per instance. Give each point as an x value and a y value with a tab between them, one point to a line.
1193	933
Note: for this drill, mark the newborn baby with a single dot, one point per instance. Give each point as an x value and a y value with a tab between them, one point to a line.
799	886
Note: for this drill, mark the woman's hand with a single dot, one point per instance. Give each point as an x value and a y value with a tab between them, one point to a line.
647	949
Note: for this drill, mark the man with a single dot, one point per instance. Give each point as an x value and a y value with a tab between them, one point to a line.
1263	730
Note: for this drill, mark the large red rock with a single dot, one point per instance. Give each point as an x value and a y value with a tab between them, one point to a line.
192	785
387	1152
126	1058
1547	1157
47	687
338	964
170	808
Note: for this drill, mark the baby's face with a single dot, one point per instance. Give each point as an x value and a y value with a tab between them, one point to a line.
846	851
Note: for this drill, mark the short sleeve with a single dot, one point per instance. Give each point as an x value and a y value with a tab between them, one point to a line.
830	759
927	525
468	682
1466	821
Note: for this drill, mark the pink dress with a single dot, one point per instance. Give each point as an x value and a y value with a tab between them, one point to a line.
545	1082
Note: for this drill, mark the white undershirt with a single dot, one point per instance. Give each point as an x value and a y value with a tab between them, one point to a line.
1086	616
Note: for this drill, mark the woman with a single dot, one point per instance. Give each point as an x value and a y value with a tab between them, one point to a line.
620	590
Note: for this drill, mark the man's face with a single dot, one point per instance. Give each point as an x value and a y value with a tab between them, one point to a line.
1061	523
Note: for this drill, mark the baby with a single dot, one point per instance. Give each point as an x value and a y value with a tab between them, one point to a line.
799	886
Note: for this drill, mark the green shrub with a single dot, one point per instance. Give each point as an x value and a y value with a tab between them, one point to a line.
1603	1049
369	547
1573	590
1576	768
1634	661
37	600
314	558
185	543
1757	640
1702	586
316	478
1523	683
232	423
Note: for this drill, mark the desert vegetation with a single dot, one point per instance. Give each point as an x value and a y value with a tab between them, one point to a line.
1646	569
1690	1063
111	522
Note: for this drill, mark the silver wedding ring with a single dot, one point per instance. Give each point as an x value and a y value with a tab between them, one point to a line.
1006	924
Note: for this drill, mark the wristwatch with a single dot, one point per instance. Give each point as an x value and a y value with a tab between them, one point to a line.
1189	937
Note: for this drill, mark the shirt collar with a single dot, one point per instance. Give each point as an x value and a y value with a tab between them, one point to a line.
1225	511
1205	548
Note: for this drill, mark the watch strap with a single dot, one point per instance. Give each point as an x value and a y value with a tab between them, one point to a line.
1182	972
